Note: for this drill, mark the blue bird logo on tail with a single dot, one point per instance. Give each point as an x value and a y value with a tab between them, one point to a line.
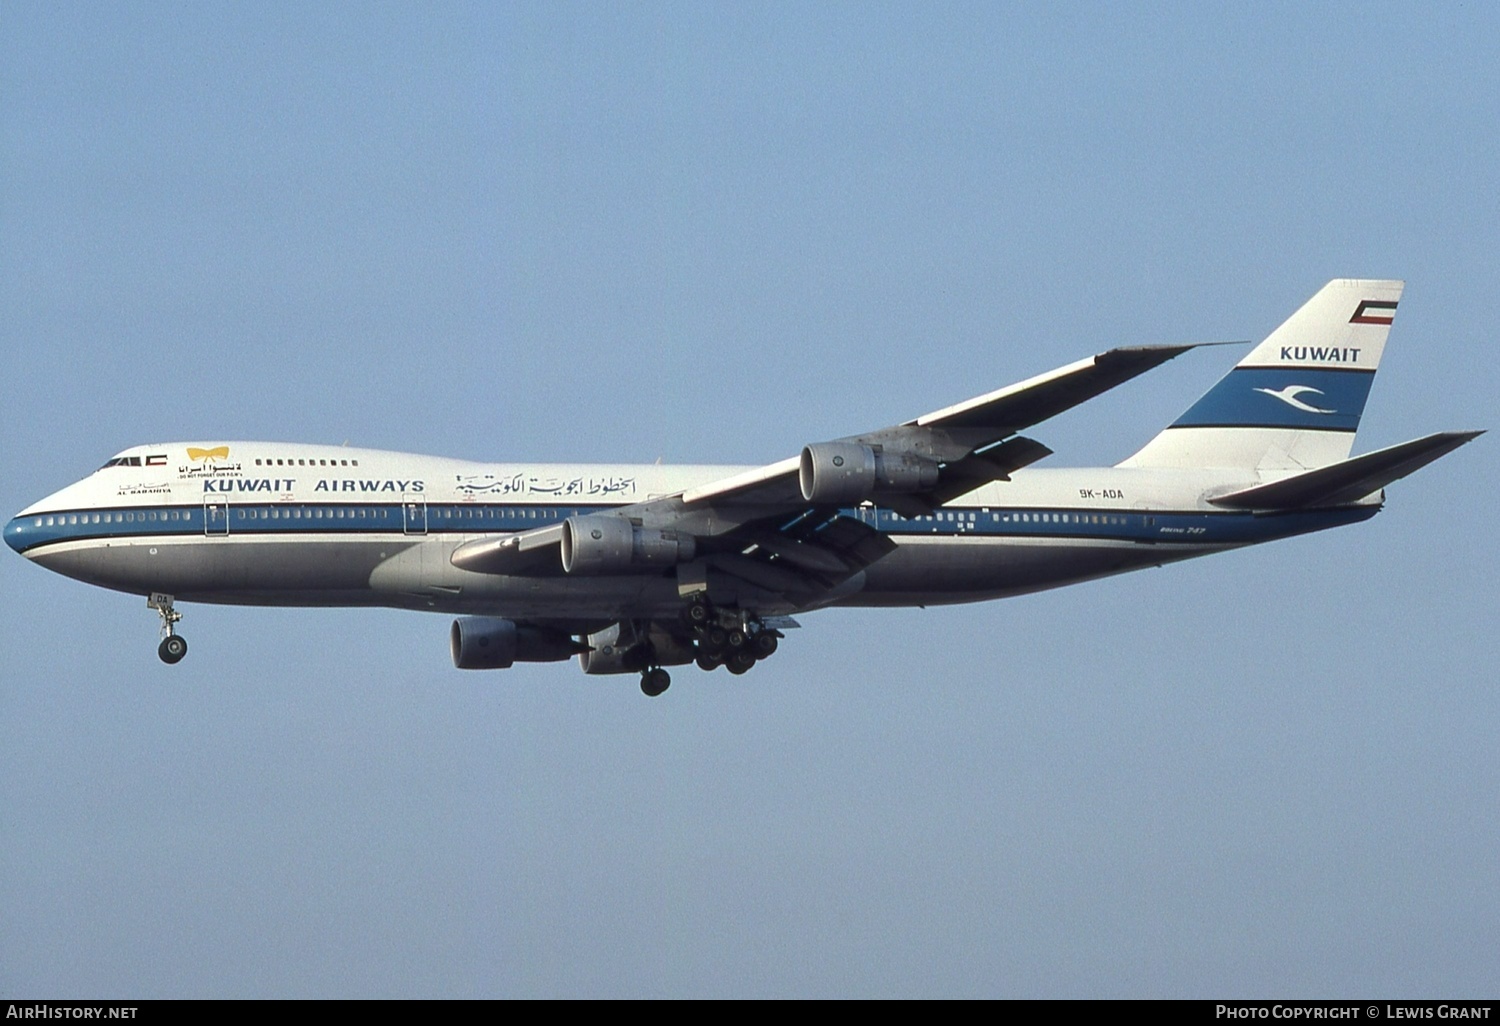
1289	396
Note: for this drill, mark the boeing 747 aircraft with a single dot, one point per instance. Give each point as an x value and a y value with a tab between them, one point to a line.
636	568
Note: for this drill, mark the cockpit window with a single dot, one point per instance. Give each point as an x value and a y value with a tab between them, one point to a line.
122	461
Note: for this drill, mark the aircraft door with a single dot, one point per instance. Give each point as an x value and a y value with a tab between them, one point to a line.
215	517
414	513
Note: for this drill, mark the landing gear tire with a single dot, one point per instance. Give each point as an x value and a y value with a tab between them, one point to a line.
736	639
172	648
708	662
763	644
716	639
655	681
740	662
696	613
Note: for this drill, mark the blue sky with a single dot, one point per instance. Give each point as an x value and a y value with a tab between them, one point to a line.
713	233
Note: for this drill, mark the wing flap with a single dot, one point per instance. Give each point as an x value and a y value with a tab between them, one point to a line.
807	558
779	580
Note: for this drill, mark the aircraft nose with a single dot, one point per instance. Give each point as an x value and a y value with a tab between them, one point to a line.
15	534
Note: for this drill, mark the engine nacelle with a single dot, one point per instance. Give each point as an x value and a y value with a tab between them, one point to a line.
608	544
615	651
847	473
491	643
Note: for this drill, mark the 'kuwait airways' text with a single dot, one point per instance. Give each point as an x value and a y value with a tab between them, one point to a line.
287	484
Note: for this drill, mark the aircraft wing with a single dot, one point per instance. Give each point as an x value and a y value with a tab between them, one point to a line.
779	529
1008	410
957	436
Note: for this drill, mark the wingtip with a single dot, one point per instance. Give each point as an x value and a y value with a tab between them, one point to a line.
1461	437
1171	349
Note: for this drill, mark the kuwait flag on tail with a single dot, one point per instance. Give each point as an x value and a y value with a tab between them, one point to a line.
1374	311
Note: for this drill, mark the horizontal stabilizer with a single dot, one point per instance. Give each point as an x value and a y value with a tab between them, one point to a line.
1349	480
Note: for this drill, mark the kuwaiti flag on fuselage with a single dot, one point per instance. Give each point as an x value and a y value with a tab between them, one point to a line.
1295	401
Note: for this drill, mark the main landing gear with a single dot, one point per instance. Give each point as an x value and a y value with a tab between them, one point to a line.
173	645
727	638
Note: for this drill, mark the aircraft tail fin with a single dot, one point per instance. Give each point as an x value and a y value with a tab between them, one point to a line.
1350	480
1295	401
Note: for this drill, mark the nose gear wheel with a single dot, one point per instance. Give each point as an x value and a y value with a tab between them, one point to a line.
173	645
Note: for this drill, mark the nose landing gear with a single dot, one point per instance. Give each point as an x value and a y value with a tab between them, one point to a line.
654	681
173	645
172	648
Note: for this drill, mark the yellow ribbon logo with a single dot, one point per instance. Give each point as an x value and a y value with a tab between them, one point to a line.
221	453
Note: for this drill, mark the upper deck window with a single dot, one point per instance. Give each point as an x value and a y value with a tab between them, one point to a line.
281	462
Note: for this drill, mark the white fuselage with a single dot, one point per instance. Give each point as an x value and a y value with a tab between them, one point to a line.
286	524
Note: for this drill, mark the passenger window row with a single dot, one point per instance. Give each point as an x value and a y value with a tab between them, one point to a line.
310	512
142	516
1063	518
305	463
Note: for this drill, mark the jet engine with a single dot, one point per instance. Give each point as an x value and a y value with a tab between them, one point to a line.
490	643
845	473
614	650
611	544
